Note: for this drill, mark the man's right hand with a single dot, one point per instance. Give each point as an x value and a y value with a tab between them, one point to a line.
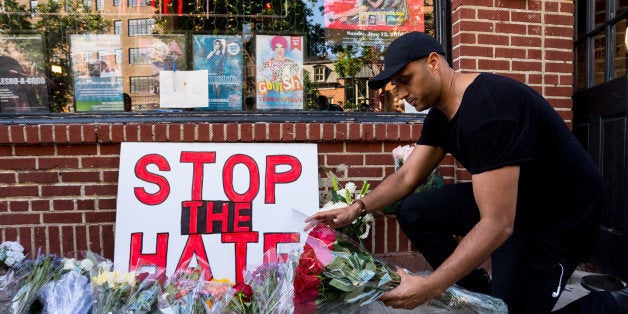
334	218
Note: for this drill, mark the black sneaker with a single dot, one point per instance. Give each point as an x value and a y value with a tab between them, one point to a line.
477	281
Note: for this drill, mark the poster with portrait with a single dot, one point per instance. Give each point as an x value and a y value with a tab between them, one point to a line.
23	82
221	56
150	55
371	22
279	75
96	68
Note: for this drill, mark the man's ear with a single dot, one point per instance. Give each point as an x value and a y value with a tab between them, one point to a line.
433	61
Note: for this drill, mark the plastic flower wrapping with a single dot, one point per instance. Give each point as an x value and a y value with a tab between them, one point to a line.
271	285
337	275
187	291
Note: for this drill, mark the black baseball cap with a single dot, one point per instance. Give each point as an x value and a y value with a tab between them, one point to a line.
403	50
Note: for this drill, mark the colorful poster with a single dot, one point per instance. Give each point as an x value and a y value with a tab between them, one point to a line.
221	56
221	206
279	75
371	22
96	64
23	82
149	56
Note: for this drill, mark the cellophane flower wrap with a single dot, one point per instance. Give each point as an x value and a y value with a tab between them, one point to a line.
335	274
271	284
37	273
186	291
70	291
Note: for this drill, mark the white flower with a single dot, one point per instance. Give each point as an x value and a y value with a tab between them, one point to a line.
87	265
331	205
11	253
351	187
105	265
69	264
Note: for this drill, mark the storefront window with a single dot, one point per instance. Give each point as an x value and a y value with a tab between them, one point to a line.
91	56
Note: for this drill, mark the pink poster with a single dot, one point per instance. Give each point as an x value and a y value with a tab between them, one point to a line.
279	75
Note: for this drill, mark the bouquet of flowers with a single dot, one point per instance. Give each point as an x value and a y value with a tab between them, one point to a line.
37	272
11	255
401	154
360	227
335	274
272	289
186	291
111	291
143	297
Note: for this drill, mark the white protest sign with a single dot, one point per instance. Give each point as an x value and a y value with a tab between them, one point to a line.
221	206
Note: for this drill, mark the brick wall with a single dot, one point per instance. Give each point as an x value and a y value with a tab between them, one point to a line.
58	182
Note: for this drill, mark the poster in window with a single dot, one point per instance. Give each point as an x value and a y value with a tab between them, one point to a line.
97	72
148	56
371	22
23	83
221	56
279	75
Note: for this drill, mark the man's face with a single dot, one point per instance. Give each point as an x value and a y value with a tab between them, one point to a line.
415	84
280	50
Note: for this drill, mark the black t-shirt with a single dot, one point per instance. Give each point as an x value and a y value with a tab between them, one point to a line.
502	122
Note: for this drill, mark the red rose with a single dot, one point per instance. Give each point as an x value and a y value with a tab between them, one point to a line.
245	291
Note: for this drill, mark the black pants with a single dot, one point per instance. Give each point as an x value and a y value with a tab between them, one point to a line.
527	269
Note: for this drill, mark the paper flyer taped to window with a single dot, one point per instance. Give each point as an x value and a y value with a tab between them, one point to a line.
183	89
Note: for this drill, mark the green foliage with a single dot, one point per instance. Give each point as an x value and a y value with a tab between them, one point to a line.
15	18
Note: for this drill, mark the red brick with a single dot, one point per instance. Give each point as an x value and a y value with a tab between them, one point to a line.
67	238
260	132
104	203
404	132
18	206
287	132
218	132
558	19
108	246
100	162
160	132
75	133
117	133
100	217
81	238
73	150
203	132
38	177
6	150
32	134
368	132
62	218
57	162
476	26
19	191
100	190
380	132
94	238
63	204
380	235
86	204
189	132
110	176
347	159
300	132
274	132
89	133
526	17
245	132
29	150
378	159
47	191
40	205
371	172
354	131
492	14
20	219
131	133
326	147
364	147
494	65
328	132
103	133
80	176
509	52
8	178
110	149
146	132
526	66
5	134
392	132
342	131
46	135
174	132
232	134
61	134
